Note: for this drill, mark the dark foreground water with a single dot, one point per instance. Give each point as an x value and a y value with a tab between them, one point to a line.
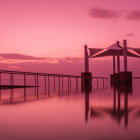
107	113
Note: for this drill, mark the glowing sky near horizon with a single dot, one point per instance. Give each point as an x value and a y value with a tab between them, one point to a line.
60	28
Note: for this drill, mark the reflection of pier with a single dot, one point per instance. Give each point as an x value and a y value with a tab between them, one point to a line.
116	113
43	85
35	80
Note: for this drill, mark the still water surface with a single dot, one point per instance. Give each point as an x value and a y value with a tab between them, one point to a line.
107	113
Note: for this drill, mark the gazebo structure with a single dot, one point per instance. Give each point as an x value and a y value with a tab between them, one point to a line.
114	50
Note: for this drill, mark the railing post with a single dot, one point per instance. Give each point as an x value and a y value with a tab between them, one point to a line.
68	84
76	84
48	85
24	80
45	83
62	83
103	83
59	83
0	78
54	83
97	82
24	87
37	85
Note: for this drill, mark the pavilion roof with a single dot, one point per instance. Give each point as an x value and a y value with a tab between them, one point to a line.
114	49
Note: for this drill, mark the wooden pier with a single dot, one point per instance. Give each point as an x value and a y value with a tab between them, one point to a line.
36	76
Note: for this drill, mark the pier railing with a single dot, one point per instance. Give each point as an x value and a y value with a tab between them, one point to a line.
36	76
44	84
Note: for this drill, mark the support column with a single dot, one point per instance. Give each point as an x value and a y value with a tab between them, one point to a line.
118	58
62	84
113	64
125	55
24	80
76	84
45	83
86	60
118	63
86	76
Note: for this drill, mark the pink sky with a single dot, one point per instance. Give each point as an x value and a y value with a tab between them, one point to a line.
60	28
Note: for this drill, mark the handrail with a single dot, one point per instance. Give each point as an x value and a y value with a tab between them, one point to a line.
45	74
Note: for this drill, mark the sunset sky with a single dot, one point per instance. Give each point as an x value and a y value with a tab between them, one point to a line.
55	31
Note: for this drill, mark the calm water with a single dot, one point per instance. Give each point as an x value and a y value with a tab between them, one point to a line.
107	113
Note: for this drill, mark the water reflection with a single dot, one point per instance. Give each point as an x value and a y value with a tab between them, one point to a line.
120	94
120	91
82	115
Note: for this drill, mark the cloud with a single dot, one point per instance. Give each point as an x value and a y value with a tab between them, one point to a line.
103	13
130	35
133	15
69	59
109	14
66	65
19	56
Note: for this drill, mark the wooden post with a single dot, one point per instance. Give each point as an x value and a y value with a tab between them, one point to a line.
0	79
24	80
97	82
86	59
76	84
103	83
48	85
24	86
62	83
37	85
125	54
118	63
59	84
35	80
45	83
113	64
68	84
54	83
118	59
11	79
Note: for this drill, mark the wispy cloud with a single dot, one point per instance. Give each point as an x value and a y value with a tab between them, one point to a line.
20	62
109	14
133	15
20	58
130	35
103	13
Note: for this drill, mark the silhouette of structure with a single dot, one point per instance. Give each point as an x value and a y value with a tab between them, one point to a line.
116	112
58	84
114	50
